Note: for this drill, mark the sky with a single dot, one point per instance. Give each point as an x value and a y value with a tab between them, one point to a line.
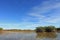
29	14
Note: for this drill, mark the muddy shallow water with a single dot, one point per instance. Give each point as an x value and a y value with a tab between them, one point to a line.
29	36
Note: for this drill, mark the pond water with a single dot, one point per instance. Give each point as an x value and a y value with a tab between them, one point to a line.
29	36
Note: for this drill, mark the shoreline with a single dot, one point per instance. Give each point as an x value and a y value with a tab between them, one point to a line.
22	31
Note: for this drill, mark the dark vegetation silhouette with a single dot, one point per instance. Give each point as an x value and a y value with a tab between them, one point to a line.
45	29
58	29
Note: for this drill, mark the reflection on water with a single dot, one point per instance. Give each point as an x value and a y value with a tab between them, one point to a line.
46	35
29	36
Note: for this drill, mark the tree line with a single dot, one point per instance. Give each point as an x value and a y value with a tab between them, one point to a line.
41	29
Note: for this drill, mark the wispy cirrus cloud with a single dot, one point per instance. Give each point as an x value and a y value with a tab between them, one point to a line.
48	11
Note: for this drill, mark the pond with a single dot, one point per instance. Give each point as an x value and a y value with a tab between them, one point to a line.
29	36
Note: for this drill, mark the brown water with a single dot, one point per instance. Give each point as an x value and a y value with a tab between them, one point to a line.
29	36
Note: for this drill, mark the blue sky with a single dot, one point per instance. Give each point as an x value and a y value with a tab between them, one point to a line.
28	14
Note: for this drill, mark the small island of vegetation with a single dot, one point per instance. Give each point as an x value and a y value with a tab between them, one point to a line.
46	29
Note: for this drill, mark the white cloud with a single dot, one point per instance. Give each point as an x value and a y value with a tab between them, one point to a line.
37	15
54	20
46	6
48	11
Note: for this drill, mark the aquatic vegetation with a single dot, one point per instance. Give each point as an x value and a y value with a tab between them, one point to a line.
50	29
40	29
45	29
58	29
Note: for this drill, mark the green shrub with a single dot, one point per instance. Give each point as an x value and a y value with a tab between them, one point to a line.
50	29
45	29
40	29
1	28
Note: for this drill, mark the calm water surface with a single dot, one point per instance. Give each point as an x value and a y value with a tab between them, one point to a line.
29	36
